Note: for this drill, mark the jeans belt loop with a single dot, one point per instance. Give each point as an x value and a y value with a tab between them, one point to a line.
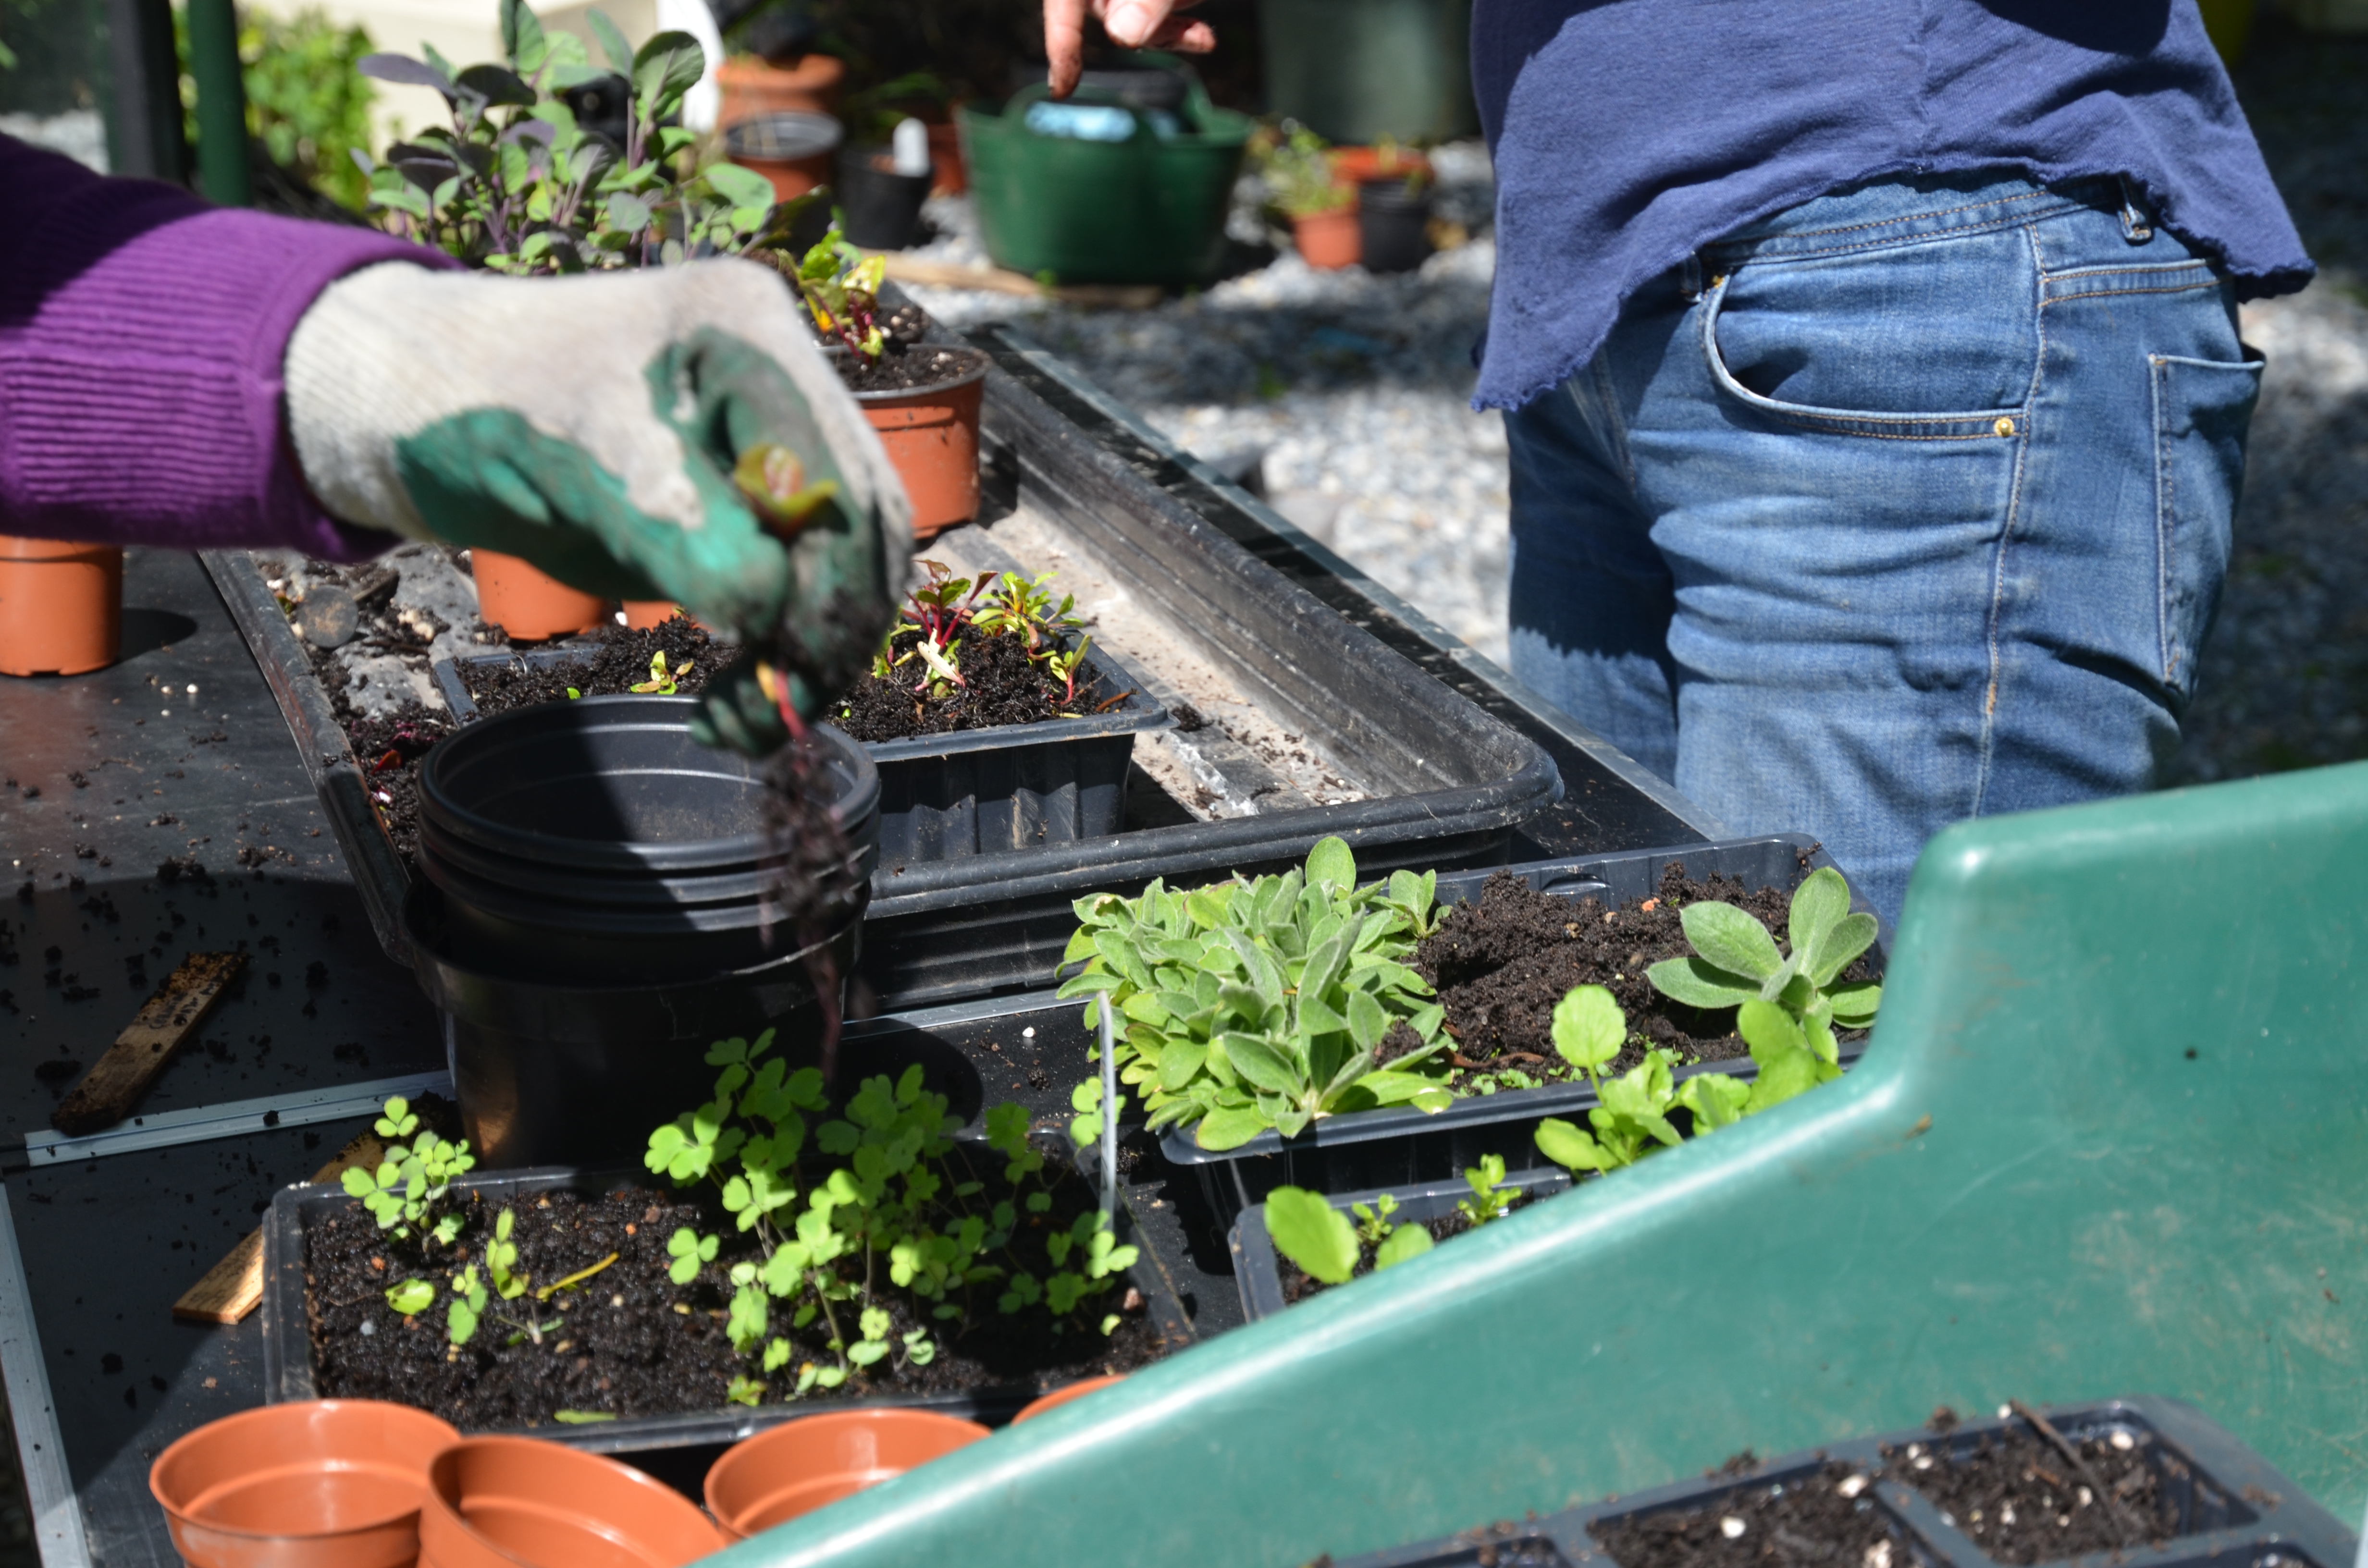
2137	224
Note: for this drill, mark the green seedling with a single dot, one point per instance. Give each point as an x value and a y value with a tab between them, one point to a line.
1735	961
409	1188
662	681
1489	1200
1257	1005
1306	1229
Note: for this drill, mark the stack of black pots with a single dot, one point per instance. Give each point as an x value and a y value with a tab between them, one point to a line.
593	918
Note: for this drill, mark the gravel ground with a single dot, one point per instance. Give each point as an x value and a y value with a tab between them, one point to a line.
1353	390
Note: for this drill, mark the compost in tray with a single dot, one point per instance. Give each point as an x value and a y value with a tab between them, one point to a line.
619	660
1825	1518
2023	1501
1502	965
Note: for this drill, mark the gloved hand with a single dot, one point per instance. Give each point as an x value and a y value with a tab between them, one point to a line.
591	425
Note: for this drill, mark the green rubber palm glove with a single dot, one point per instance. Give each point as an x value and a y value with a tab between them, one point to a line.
591	425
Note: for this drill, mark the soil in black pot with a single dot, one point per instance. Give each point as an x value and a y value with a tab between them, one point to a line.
1502	964
2023	1502
628	1341
1002	685
1298	1284
618	662
1826	1521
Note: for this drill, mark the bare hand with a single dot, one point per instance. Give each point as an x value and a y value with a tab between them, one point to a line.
1131	24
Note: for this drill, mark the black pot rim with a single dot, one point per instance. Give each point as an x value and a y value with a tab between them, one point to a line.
860	801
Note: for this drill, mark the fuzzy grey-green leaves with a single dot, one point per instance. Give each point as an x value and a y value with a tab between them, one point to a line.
1736	960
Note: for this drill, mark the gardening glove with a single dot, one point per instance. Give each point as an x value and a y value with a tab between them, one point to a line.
592	424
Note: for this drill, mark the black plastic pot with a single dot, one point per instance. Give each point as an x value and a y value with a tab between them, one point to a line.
1400	1146
677	1448
1394	223
2233	1508
975	791
1259	1275
883	208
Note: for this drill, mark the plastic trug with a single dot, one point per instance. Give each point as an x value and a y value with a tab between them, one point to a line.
2030	1188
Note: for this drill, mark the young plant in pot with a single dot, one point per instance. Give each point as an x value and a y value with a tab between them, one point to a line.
1322	208
516	183
923	398
812	1248
979	654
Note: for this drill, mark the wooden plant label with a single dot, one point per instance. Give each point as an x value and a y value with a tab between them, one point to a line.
165	1021
233	1287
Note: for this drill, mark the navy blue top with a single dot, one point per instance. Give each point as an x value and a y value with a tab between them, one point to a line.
1629	133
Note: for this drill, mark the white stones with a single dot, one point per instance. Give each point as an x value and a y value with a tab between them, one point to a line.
1853	1487
1878	1555
1731	1528
2122	1440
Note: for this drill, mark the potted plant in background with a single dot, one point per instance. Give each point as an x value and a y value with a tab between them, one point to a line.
1322	208
517	183
774	68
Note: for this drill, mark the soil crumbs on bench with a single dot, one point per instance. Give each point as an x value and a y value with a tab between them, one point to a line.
620	662
1298	1284
1502	965
631	1342
1826	1521
1002	685
2022	1504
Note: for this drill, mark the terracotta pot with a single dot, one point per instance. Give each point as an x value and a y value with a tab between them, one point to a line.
1060	1397
804	1464
752	87
61	606
522	1503
643	614
946	154
1329	240
932	438
323	1483
531	605
1354	166
792	149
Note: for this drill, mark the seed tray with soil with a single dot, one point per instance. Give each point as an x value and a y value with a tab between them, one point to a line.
2205	1498
611	662
1499	990
1270	1282
629	1359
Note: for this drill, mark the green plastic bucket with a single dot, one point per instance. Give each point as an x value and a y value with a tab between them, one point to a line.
1147	210
1358	71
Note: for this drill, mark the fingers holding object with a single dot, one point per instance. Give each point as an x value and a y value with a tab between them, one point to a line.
1064	43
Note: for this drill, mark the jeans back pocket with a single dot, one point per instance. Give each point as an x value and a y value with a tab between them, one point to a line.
2202	410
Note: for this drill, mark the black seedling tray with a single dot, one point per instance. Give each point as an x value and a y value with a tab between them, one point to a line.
2235	1510
676	1447
1400	1146
1258	1273
971	793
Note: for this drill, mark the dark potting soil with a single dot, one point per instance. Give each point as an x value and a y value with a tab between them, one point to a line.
1502	964
631	1342
1826	1520
1002	685
389	749
619	662
1298	1284
2023	1502
913	369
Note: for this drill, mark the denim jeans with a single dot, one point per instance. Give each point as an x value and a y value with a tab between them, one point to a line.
1906	505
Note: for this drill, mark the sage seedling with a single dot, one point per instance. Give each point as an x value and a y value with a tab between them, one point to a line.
1735	961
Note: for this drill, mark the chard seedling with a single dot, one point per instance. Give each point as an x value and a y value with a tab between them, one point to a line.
1258	1005
773	479
1735	961
841	287
662	681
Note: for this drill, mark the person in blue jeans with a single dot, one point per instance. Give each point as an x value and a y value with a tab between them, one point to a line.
1872	384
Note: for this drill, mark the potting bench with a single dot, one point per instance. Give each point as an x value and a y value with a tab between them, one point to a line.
145	821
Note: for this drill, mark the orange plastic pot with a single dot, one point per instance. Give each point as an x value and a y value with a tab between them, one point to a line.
323	1483
1329	240
1060	1397
643	614
946	157
805	1464
751	87
932	439
61	606
1354	166
531	605
522	1503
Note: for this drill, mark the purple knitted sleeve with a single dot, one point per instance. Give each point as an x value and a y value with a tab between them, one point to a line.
141	338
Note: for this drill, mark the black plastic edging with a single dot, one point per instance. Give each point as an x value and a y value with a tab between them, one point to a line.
2234	1507
287	1342
1259	1275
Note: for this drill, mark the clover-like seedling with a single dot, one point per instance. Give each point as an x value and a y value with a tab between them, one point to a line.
1488	1200
691	1252
1735	960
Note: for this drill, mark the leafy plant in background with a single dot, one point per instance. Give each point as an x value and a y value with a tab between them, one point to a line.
841	288
1299	177
516	183
1258	1005
308	104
